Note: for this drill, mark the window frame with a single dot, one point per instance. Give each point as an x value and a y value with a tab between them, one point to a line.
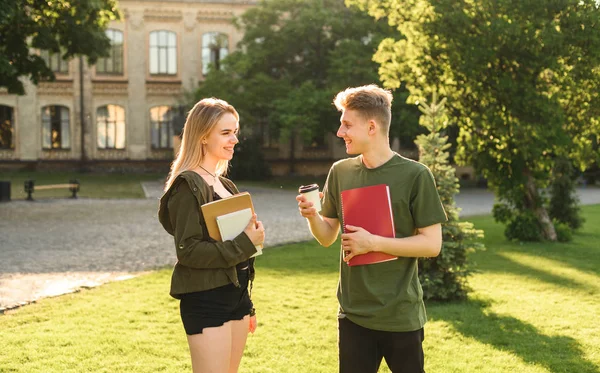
52	59
11	126
157	125
156	69
212	48
114	121
57	121
115	50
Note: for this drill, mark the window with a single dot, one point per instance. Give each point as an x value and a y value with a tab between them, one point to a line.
55	127
215	47
55	62
6	127
161	124
110	120
113	64
163	53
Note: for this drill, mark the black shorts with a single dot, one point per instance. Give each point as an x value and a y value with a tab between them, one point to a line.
214	307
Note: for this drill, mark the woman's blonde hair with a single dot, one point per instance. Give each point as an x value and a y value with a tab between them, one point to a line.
200	121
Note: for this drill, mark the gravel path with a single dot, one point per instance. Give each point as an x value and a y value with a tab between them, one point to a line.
54	246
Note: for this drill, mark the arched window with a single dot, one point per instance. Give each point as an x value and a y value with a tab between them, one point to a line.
163	53
215	47
113	64
161	124
6	127
110	120
55	62
55	127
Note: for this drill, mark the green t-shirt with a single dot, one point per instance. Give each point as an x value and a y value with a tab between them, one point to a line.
385	296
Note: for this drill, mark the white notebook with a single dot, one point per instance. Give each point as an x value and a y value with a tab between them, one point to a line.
234	223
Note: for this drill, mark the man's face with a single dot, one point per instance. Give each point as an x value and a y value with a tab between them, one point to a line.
354	129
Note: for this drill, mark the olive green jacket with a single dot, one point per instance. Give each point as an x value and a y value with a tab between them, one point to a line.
202	262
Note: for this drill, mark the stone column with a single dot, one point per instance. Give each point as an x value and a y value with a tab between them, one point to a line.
189	52
137	113
29	122
87	126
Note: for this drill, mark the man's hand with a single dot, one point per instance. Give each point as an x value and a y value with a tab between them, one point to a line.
306	208
325	230
358	241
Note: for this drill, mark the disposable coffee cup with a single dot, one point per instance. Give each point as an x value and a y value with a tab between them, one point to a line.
311	193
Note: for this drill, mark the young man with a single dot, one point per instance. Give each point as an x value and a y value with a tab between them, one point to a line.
381	305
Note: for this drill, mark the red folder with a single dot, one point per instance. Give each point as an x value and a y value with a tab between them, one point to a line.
371	209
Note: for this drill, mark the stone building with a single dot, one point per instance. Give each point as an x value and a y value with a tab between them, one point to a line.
120	112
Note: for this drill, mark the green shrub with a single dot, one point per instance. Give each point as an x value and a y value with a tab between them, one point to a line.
564	233
564	204
523	227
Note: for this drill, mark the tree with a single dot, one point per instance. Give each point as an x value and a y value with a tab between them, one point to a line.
445	276
522	80
68	27
294	57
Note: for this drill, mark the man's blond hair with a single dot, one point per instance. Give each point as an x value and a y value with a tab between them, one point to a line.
371	101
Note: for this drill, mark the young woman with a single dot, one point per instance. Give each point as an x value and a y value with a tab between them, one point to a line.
210	278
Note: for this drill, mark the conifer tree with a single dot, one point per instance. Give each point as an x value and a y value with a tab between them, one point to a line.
445	276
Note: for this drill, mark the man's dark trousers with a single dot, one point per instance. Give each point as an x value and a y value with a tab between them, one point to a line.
361	349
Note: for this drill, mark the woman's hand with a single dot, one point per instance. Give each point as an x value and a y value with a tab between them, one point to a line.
252	324
255	231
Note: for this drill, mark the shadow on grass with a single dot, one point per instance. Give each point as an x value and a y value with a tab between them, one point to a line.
501	264
506	333
582	253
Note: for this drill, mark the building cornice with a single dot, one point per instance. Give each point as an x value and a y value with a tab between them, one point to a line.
110	88
214	16
55	88
162	15
166	88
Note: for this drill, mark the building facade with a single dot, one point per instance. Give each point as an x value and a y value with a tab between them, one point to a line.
121	110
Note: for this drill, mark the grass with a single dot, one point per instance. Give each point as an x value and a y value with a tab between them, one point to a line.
92	185
533	309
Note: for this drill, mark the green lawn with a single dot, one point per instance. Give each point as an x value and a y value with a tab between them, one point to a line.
534	308
92	185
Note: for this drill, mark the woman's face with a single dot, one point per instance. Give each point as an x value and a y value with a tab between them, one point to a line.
222	139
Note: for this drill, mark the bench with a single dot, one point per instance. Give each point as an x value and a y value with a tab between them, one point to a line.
30	187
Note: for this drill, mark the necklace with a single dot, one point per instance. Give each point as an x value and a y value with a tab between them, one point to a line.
214	176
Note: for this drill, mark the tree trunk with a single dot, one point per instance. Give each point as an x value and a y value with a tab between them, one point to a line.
533	202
